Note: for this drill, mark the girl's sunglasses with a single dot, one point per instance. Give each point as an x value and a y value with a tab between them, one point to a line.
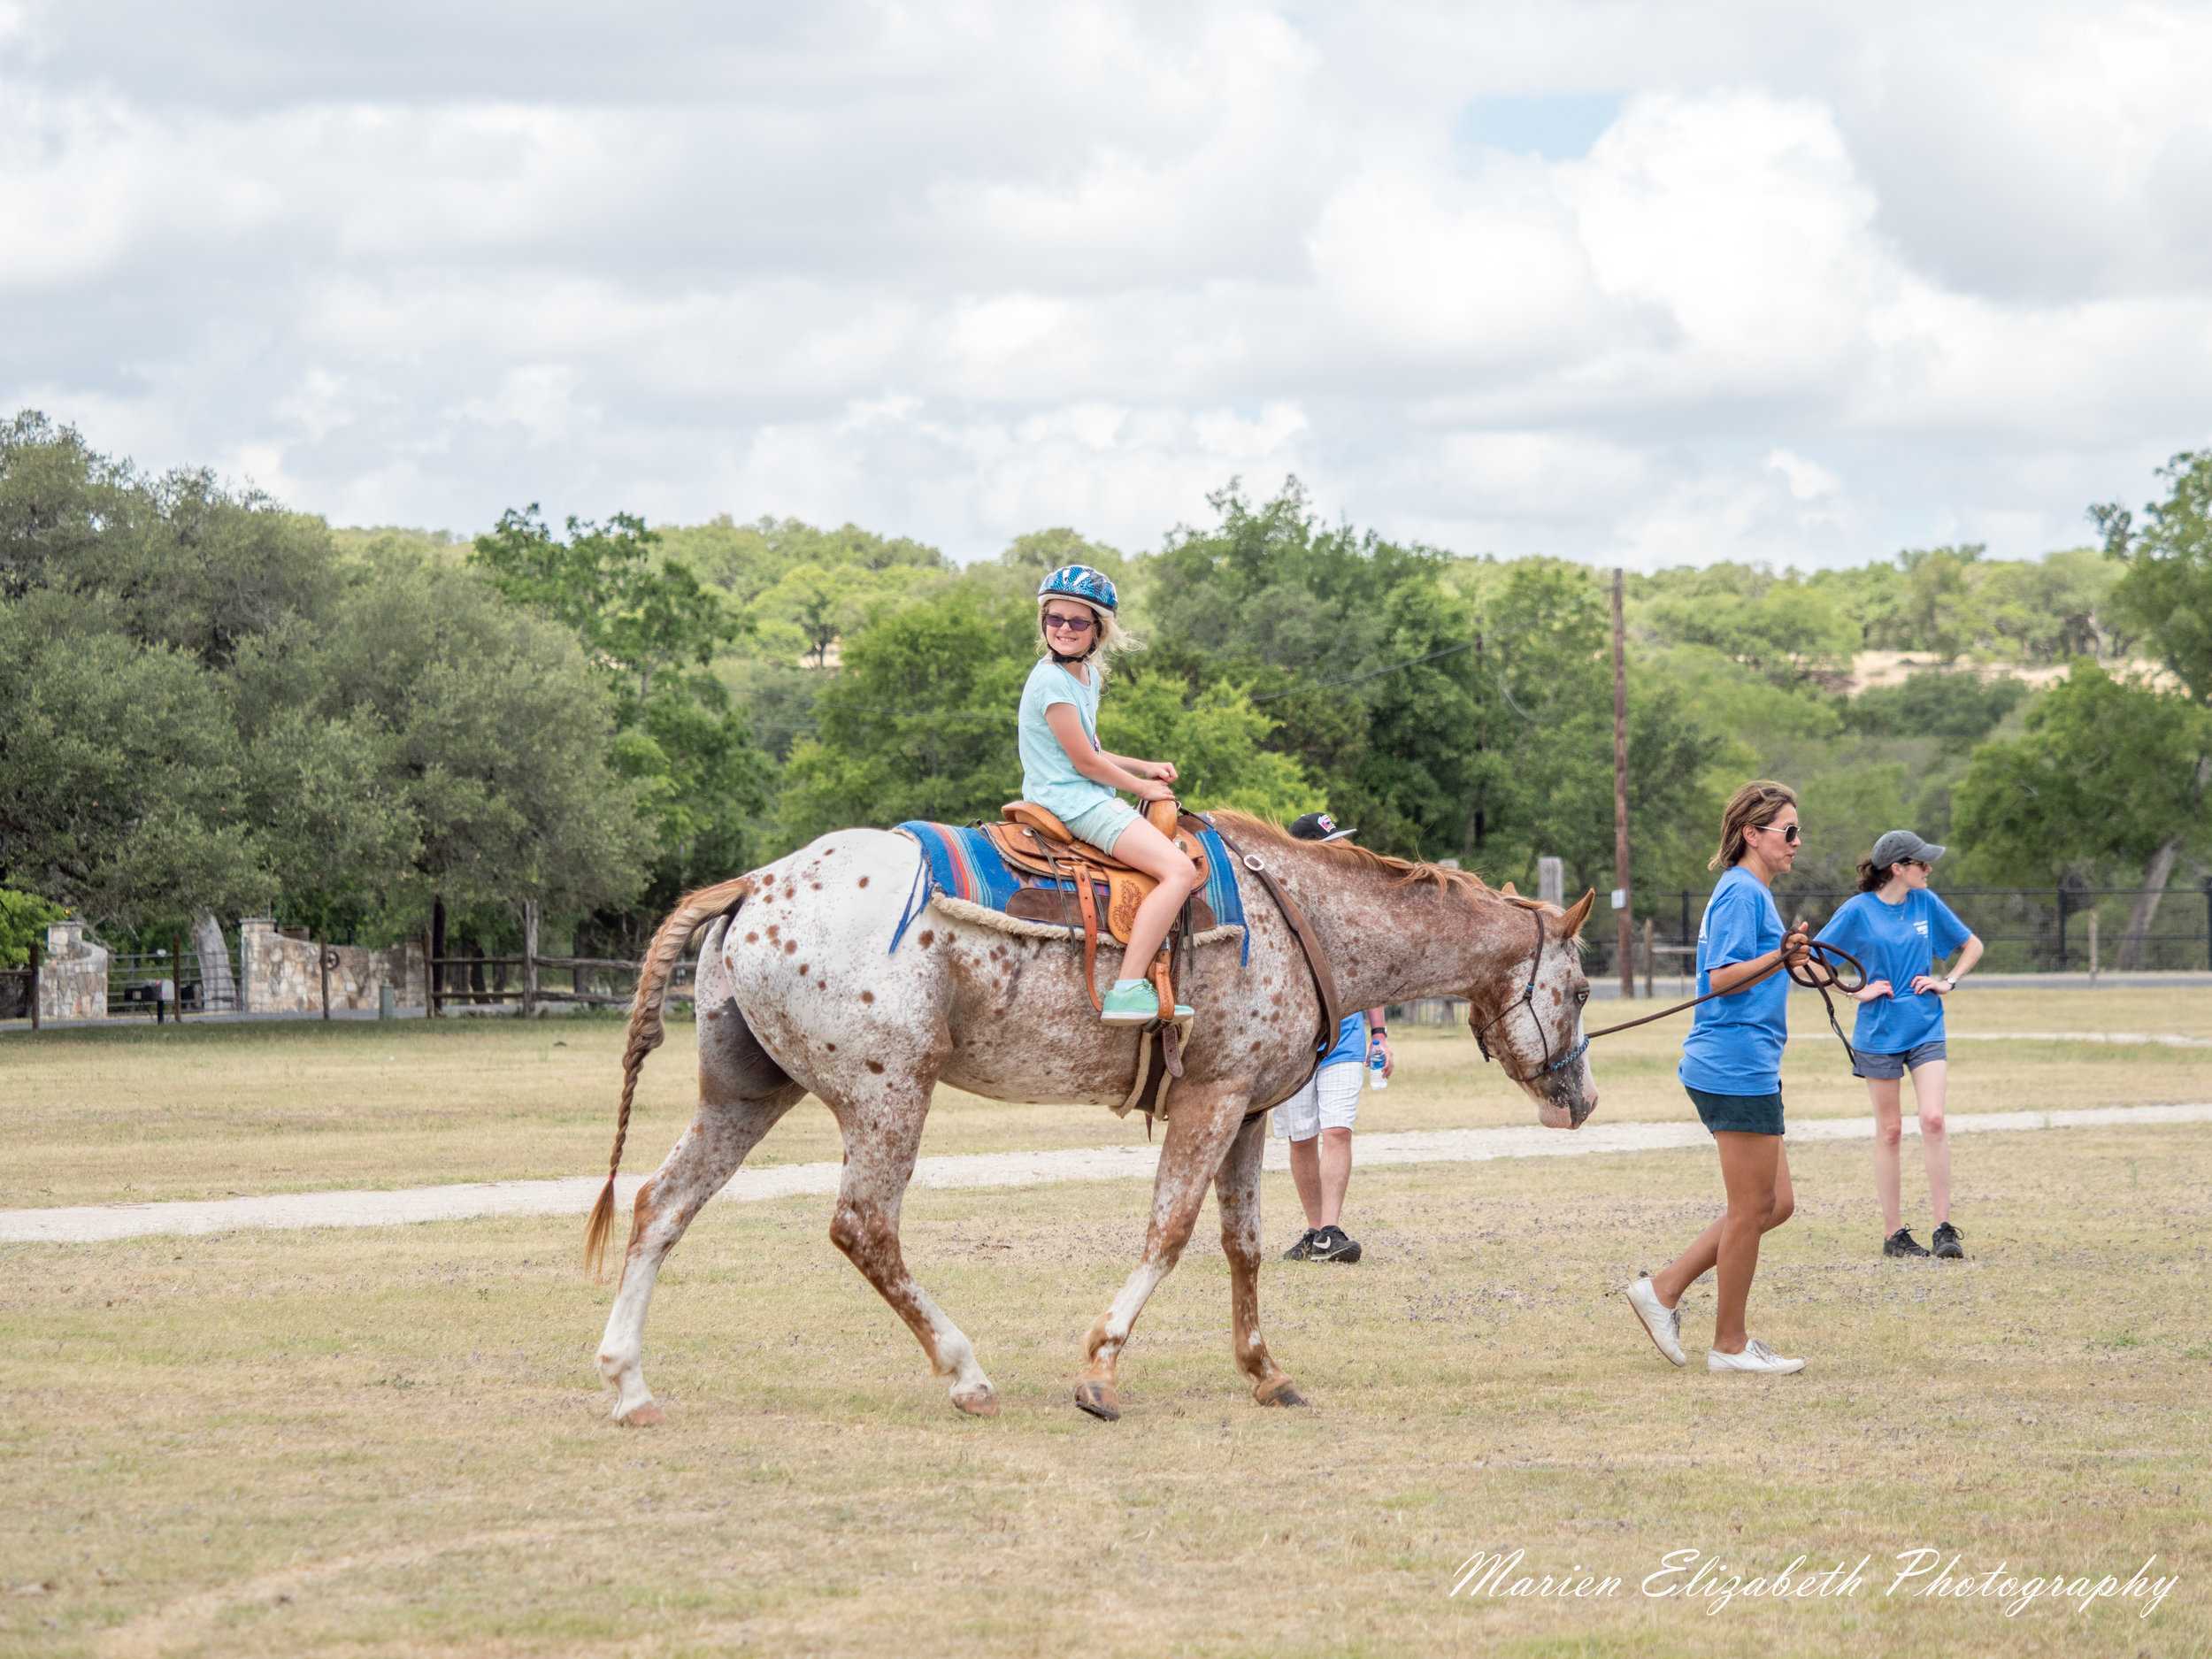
1070	625
1789	832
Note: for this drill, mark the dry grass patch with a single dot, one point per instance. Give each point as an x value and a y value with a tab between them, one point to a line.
391	1441
132	1115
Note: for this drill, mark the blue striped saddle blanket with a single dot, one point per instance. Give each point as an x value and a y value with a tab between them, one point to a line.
963	864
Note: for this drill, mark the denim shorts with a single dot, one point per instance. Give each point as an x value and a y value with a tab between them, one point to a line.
1738	1114
1895	1065
1103	825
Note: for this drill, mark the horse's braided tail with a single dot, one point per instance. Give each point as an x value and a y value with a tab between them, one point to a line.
645	1034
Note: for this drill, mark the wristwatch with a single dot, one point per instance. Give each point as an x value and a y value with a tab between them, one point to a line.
1949	984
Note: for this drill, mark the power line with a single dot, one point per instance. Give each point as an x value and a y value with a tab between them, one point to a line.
1372	674
923	714
1272	697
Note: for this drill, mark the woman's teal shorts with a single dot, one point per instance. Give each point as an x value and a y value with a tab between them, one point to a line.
1103	825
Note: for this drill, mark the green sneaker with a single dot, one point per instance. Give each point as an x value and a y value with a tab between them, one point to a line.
1136	1005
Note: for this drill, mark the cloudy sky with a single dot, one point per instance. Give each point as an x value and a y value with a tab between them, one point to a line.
1619	282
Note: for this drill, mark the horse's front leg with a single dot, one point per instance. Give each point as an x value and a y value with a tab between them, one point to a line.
883	1133
1202	1123
1237	1187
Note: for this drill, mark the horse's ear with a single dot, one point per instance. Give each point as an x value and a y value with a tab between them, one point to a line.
1578	915
1508	890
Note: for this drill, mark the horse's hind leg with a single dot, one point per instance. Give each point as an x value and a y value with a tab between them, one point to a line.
1238	1189
883	1133
742	1094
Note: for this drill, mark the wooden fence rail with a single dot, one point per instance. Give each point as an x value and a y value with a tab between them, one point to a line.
531	992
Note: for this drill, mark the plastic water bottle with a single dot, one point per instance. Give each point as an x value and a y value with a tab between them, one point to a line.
1375	1064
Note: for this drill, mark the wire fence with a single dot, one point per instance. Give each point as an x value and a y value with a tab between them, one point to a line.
2024	930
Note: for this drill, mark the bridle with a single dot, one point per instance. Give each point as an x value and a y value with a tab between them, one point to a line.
1527	999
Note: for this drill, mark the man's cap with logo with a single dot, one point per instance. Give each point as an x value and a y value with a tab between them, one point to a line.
1903	844
1319	826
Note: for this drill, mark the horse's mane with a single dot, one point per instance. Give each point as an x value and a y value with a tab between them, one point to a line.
1404	872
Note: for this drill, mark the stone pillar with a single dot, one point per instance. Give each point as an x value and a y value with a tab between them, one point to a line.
1551	880
73	978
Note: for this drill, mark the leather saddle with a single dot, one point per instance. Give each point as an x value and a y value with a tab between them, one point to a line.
1036	845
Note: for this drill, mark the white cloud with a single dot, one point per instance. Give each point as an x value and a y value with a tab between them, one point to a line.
1827	283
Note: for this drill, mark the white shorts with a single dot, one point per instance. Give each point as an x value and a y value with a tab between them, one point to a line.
1330	1100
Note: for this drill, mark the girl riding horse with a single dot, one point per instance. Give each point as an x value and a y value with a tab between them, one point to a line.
1065	771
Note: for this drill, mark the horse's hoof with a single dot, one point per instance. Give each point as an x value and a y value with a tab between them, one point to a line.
982	1403
648	1415
1281	1391
1097	1398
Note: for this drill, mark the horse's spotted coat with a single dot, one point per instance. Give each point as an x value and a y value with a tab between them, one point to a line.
1009	1018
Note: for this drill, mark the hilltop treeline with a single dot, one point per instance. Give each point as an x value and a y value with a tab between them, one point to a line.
210	702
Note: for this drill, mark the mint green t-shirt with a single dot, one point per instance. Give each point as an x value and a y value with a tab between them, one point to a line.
1049	776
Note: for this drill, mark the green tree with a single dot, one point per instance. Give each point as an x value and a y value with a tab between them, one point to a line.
23	919
2167	588
121	791
2167	592
919	721
746	560
1956	708
654	630
1782	628
491	736
2110	775
1215	741
173	561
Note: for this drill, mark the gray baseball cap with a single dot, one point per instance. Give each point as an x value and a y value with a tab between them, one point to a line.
1904	844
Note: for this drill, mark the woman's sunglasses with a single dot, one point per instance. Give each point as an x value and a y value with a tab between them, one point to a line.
1789	832
1070	625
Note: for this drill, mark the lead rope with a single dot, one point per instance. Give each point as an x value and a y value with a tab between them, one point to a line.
1830	956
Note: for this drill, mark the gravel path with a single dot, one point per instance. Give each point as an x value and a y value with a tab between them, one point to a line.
93	1223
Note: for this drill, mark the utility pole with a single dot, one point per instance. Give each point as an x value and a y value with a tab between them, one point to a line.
1620	791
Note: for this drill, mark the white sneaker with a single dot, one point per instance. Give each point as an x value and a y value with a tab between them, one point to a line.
1664	1324
1757	1356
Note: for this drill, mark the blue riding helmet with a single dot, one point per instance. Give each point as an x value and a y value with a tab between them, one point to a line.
1079	582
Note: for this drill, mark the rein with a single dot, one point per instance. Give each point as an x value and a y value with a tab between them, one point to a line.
1830	956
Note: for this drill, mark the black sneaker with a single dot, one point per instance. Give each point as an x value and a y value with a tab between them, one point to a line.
1330	1244
1903	1243
1303	1251
1948	1245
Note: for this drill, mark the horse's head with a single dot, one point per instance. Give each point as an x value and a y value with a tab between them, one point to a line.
1528	1018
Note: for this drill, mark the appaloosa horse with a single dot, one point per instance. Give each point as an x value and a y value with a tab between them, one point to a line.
799	991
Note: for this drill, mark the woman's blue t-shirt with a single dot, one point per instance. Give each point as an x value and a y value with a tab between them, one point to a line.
1048	776
1897	943
1735	1042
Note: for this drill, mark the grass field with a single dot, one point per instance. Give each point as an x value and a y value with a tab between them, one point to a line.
392	1441
95	1116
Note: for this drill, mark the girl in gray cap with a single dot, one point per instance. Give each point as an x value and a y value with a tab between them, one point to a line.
1900	930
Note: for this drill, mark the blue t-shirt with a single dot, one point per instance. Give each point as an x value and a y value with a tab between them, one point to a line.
1897	943
1735	1042
1048	776
1351	1042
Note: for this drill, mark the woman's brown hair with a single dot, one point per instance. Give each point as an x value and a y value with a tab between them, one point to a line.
1873	877
1751	807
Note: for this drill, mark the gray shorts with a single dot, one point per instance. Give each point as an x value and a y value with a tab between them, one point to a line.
1891	1066
1330	1100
